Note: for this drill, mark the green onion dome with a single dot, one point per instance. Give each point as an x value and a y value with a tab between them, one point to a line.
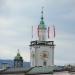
18	57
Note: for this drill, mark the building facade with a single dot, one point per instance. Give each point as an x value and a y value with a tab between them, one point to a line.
41	50
18	60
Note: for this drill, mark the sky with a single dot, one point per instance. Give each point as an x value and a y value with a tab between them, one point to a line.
18	16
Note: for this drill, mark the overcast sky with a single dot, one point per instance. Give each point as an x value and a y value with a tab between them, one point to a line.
18	16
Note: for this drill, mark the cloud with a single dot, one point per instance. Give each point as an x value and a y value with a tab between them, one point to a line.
18	16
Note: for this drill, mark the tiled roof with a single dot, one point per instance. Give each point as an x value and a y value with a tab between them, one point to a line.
41	70
14	70
33	70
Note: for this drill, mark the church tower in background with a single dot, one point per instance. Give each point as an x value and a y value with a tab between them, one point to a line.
41	50
18	61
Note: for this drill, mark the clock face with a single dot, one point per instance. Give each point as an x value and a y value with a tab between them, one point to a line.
44	55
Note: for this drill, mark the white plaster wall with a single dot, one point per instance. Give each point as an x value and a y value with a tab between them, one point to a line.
32	60
38	50
42	35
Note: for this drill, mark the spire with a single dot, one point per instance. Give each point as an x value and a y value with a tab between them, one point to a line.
42	14
18	54
42	24
18	50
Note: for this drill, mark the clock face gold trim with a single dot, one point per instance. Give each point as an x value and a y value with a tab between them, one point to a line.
44	55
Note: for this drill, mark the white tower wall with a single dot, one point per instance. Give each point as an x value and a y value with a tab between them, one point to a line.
41	54
42	34
42	51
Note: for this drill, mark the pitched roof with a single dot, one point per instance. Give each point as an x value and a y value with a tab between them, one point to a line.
14	70
33	70
41	70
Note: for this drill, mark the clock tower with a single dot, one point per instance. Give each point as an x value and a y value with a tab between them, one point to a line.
41	50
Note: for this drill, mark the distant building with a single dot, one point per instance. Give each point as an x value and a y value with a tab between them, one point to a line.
5	65
18	61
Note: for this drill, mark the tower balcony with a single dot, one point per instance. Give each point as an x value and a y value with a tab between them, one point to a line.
45	43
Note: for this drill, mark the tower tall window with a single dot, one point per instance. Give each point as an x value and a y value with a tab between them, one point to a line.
44	63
